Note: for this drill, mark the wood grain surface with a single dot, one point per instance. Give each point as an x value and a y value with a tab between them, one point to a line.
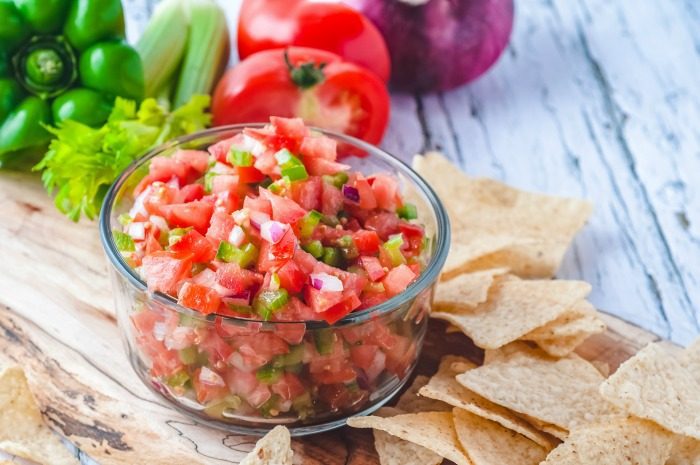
596	99
57	321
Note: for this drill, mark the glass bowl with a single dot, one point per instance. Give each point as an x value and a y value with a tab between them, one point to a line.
320	374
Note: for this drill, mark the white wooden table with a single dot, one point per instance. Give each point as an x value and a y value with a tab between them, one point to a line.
593	98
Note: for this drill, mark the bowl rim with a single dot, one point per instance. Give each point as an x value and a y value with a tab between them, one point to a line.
425	279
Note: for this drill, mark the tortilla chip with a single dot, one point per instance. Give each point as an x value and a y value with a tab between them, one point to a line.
562	392
602	367
488	443
275	448
450	329
626	441
433	430
22	429
467	290
514	308
654	385
395	451
552	430
691	359
685	451
443	386
410	401
508	350
495	225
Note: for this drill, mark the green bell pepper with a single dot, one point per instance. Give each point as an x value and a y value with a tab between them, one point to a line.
59	60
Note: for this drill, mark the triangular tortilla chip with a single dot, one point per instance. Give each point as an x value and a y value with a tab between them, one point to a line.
433	430
561	392
495	225
275	448
469	289
22	429
514	308
488	443
685	451
654	385
443	386
621	442
410	401
395	451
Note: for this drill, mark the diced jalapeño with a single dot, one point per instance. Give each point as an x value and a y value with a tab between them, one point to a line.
123	241
308	223
240	158
407	211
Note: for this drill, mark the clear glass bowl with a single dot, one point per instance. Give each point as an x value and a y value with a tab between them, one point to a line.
352	367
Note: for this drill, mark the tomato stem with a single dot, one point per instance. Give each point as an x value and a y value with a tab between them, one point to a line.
306	75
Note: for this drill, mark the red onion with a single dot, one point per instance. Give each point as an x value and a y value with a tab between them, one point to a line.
440	44
325	282
137	231
273	231
238	300
236	236
159	222
211	378
258	218
351	193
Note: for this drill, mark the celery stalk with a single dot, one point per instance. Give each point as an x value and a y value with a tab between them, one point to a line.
207	50
162	45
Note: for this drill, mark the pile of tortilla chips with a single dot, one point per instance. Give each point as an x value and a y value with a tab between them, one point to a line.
533	401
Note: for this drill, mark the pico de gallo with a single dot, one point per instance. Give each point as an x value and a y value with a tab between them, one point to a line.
268	226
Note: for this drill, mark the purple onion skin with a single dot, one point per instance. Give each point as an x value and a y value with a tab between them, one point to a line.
440	44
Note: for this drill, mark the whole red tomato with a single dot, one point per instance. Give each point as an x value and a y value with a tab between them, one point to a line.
328	25
315	85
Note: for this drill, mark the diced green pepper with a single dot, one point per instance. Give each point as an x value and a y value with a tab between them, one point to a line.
407	211
178	380
268	374
225	252
330	220
324	339
315	248
332	256
244	256
123	241
303	405
190	321
209	181
176	234
337	179
295	173
124	219
240	158
294	357
219	409
392	247
270	408
269	301
308	223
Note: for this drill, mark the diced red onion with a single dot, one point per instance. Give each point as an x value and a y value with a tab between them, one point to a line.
273	231
180	338
207	376
137	231
238	300
174	182
241	216
351	193
159	329
237	236
254	146
159	222
138	207
258	218
326	282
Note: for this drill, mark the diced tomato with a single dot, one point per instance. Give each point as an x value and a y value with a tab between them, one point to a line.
367	200
195	245
293	128
201	298
224	183
228	330
291	333
226	202
197	160
291	277
220	227
208	386
344	373
372	299
305	260
398	279
221	149
321	166
164	168
249	174
288	387
320	301
414	234
266	163
332	200
265	344
272	140
367	242
284	210
341	309
284	249
375	270
164	271
320	147
259	396
259	204
385	188
384	223
297	311
189	193
370	359
152	243
339	397
196	214
216	348
241	382
400	358
371	332
237	279
308	193
159	196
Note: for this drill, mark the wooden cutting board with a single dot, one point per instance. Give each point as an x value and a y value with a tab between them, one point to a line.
57	321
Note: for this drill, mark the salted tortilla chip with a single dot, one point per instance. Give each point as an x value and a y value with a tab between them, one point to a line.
654	385
410	401
22	429
496	225
625	441
514	308
691	359
562	392
552	430
444	387
468	290
508	350
488	443
395	451
685	451
433	430
275	448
